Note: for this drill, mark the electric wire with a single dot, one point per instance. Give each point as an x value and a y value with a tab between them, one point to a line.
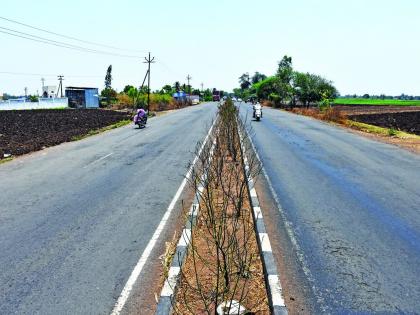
68	37
59	44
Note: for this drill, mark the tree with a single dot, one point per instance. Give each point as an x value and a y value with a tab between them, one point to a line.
266	87
285	75
167	89
257	77
127	88
311	88
285	70
134	94
108	92
177	86
244	81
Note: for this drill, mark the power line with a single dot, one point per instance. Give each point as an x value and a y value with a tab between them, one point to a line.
59	44
49	75
68	37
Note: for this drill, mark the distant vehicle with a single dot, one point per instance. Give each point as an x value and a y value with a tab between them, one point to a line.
216	96
239	99
195	99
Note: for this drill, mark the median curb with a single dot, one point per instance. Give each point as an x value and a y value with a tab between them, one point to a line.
271	275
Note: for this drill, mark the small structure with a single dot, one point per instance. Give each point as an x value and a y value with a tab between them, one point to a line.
49	91
180	96
82	97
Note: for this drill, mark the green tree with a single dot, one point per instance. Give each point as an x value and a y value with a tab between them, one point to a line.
127	88
257	77
167	89
107	92
244	81
134	94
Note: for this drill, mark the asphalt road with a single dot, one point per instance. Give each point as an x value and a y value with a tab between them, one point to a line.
74	219
353	208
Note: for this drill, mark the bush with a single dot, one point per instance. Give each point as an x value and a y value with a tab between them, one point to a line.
392	132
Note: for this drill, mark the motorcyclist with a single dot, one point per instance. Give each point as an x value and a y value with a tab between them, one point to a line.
256	106
140	114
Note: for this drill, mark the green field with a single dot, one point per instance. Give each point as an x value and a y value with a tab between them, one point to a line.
368	101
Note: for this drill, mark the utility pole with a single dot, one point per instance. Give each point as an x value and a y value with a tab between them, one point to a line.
43	84
26	92
60	86
189	86
149	61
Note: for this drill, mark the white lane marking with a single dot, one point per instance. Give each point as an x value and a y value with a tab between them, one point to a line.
185	238
194	209
265	242
258	213
170	282
98	160
275	289
253	192
122	299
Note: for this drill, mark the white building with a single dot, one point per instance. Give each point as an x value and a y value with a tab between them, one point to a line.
49	91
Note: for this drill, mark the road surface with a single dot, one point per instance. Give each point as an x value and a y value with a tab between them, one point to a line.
74	219
353	207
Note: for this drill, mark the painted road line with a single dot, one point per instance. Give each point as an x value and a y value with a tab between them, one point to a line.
257	213
98	160
170	282
265	242
185	238
122	299
276	291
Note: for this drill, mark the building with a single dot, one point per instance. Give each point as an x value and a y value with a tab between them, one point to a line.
49	91
82	97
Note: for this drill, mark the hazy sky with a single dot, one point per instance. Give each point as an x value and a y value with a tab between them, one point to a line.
363	46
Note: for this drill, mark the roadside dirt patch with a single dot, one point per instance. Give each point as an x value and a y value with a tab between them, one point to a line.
405	121
365	109
24	131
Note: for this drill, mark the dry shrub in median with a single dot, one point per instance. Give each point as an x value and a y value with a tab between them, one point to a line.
223	261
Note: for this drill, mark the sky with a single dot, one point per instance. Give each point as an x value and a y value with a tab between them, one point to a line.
363	46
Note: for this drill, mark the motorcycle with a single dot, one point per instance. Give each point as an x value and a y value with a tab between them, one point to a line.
258	114
140	121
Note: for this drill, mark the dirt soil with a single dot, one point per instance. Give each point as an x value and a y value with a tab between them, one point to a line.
203	275
24	131
404	121
365	109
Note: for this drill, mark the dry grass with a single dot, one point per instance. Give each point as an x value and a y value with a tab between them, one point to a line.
331	114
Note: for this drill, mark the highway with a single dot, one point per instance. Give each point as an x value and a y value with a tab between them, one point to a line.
352	207
75	218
